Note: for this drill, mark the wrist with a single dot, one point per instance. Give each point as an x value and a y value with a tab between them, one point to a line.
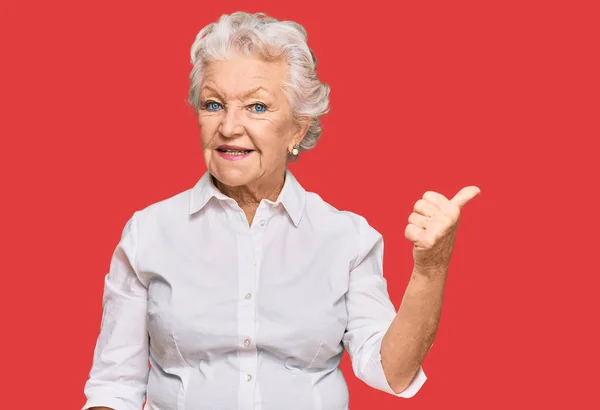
430	271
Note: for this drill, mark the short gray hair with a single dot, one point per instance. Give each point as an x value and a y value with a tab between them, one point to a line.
271	39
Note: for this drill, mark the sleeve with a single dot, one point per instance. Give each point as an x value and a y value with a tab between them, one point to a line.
119	371
370	313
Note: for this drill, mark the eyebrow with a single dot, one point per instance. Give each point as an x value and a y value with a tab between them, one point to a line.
245	95
253	91
206	88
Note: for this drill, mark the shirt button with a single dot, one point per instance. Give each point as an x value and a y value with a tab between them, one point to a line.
247	342
249	377
262	222
248	295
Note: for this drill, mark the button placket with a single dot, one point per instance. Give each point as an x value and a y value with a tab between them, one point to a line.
261	217
246	317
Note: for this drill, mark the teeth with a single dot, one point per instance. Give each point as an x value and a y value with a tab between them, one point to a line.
236	152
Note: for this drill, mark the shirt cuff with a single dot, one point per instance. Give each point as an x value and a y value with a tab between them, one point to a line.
110	402
382	383
106	399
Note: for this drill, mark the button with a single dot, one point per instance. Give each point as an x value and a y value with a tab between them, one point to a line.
247	342
262	222
248	295
248	377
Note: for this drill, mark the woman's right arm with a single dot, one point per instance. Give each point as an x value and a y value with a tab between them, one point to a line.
119	373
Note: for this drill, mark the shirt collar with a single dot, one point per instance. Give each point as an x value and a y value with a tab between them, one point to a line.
292	196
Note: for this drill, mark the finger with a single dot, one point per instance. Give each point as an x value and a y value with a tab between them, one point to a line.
413	233
418	220
441	202
465	195
424	208
435	198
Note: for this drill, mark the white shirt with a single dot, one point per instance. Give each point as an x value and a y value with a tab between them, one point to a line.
231	316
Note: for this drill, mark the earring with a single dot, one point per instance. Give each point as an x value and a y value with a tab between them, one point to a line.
295	150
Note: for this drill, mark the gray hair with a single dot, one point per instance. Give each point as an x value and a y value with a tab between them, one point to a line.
271	39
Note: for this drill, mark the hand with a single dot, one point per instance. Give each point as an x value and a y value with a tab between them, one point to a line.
432	227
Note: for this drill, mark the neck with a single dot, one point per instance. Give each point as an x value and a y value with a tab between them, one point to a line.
249	196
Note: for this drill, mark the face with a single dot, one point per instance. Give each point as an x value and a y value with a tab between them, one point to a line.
246	125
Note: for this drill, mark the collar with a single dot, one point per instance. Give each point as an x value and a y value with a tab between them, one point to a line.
292	195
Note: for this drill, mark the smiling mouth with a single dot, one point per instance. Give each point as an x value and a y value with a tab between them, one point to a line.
234	151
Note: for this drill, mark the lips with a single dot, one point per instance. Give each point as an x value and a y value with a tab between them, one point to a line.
233	152
234	149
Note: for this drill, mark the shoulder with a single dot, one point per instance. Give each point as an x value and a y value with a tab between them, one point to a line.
317	209
169	211
346	223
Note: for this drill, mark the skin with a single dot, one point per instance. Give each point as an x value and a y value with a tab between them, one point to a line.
242	103
432	229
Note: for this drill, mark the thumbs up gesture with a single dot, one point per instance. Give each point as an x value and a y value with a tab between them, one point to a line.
432	227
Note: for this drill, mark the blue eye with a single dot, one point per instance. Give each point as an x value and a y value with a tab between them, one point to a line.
258	107
212	106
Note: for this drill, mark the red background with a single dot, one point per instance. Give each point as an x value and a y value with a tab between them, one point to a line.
425	96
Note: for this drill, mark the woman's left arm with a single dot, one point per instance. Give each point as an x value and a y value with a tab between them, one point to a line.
411	333
432	228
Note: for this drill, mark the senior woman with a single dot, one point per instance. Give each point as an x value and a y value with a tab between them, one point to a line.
243	291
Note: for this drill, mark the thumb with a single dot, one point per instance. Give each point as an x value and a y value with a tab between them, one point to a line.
465	195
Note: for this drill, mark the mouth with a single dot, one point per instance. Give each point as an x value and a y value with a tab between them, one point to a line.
233	153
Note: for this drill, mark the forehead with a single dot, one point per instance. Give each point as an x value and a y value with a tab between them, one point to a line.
240	74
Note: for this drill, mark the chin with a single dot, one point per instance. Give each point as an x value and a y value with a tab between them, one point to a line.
232	176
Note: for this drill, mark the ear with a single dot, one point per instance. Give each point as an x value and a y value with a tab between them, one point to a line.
302	125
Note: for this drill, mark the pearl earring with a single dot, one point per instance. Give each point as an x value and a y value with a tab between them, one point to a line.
295	150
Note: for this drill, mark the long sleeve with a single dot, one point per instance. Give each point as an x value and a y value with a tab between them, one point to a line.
119	370
370	313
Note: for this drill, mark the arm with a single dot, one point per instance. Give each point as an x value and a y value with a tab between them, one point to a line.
371	315
432	228
118	377
413	330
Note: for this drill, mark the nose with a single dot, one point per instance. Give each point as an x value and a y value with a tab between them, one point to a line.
232	125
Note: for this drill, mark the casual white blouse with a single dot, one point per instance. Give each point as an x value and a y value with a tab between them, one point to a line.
203	312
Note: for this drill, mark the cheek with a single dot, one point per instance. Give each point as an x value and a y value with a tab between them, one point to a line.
208	127
272	147
272	137
205	137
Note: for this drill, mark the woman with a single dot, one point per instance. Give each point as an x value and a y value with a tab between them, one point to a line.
243	291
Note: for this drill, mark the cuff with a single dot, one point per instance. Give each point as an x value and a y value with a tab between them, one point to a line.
110	402
111	399
382	384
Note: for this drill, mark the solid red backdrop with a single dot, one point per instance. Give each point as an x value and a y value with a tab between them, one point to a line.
425	96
